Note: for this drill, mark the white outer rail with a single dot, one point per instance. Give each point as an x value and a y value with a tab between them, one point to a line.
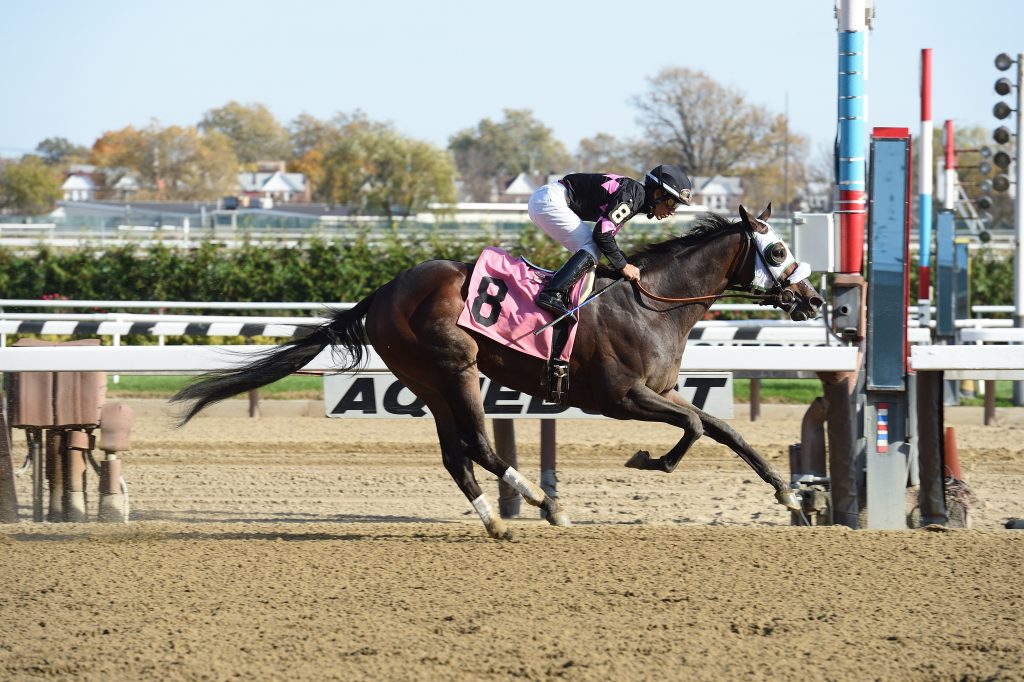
959	362
970	362
197	359
157	305
1004	335
250	305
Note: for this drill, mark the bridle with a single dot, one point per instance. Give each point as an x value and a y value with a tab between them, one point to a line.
778	296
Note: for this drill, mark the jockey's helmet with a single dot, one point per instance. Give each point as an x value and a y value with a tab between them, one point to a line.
672	181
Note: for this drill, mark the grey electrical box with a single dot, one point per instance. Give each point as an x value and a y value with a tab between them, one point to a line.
848	307
816	240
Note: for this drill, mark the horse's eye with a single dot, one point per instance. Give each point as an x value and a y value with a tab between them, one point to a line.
775	254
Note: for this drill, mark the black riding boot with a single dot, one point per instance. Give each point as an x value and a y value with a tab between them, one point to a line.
555	297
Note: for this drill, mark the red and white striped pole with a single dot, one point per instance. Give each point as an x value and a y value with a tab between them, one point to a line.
925	181
949	179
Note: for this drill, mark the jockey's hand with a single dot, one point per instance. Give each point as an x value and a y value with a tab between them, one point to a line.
631	272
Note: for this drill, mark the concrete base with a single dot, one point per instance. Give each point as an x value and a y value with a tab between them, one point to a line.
112	509
74	507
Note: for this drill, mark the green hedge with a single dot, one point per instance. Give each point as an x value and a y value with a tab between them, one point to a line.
318	271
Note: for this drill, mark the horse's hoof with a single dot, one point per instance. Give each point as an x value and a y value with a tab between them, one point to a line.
641	460
560	519
499	531
787	498
504	534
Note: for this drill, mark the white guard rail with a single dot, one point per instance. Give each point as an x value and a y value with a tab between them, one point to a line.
1004	335
970	362
197	359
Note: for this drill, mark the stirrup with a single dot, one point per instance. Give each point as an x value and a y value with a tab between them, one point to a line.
558	382
554	303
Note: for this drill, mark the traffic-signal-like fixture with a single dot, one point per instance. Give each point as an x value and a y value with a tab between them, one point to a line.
1001	183
984	201
1003	86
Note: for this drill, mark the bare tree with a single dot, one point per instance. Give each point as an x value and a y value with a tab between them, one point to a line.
708	129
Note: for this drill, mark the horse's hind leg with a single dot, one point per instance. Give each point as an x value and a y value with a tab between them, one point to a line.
464	440
466	409
454	456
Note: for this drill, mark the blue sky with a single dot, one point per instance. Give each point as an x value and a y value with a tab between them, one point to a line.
77	69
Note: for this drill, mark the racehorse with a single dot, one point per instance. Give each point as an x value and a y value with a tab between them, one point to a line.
625	363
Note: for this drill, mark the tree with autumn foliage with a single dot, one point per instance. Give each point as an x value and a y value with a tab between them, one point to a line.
251	130
171	163
604	153
29	186
311	138
371	167
496	150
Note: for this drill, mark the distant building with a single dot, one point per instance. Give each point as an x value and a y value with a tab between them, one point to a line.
79	187
519	189
816	198
269	184
126	186
270	181
719	193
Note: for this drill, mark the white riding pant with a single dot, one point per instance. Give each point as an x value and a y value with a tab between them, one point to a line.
549	210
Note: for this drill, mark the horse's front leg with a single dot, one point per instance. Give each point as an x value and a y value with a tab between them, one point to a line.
643	404
720	431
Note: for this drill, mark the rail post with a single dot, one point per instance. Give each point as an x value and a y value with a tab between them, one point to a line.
548	468
116	421
254	394
505	445
755	399
931	447
8	494
55	474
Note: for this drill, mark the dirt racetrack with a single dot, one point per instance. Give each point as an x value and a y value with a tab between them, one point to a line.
296	547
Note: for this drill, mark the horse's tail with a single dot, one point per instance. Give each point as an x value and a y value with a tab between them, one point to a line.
345	330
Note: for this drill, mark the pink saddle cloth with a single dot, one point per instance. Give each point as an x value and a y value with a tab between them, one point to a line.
500	304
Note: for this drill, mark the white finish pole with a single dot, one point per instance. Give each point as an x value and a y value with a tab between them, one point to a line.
1018	274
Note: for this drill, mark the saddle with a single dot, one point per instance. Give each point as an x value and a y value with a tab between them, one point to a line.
500	304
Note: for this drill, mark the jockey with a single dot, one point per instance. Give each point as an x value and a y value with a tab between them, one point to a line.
560	209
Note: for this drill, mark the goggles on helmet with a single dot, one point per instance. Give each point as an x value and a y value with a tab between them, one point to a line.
677	196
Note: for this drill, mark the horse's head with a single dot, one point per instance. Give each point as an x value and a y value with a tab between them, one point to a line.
777	272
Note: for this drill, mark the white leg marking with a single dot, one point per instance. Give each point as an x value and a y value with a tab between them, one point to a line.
530	491
484	509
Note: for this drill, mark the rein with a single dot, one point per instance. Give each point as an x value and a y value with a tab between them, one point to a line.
766	299
710	297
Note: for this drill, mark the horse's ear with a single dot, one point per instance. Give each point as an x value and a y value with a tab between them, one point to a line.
766	213
755	224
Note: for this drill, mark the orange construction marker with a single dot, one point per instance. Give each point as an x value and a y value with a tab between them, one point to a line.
952	459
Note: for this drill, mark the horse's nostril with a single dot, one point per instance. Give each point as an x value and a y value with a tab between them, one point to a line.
817	301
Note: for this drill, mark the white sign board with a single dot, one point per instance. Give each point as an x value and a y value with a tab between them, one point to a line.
816	240
380	394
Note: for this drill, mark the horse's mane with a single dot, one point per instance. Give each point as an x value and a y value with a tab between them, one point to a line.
705	227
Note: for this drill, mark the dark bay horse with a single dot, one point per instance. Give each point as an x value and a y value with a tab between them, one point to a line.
625	363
